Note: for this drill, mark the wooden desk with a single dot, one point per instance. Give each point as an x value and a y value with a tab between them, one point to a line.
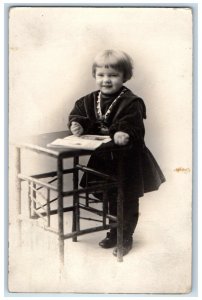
39	144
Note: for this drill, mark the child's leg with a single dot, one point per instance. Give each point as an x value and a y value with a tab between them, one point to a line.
130	213
112	204
130	219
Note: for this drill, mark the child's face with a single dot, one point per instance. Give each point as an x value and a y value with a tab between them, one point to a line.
109	80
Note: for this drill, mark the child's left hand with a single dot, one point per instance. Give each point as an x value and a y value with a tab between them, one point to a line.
121	138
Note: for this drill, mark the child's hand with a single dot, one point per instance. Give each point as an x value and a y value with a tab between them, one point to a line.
121	138
76	129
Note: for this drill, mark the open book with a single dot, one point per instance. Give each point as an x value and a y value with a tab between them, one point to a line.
88	142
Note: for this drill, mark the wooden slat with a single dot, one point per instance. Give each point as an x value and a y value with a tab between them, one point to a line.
85	231
89	170
52	174
97	189
29	178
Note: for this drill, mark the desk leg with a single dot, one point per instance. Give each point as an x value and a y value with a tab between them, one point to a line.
18	192
34	198
120	213
104	207
60	208
76	217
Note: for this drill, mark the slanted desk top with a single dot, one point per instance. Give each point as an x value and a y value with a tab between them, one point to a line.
38	143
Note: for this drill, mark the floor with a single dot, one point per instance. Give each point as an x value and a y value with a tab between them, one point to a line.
160	261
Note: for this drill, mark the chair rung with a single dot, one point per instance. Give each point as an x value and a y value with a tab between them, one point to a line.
90	219
110	217
52	174
37	202
39	214
90	209
39	182
50	181
84	231
91	200
51	201
89	170
92	189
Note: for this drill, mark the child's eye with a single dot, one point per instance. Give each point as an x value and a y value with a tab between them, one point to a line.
113	75
100	75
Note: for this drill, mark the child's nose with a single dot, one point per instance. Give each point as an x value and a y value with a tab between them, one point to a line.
106	79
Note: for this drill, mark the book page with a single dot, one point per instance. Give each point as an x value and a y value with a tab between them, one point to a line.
88	142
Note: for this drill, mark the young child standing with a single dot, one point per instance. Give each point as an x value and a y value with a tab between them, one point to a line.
114	110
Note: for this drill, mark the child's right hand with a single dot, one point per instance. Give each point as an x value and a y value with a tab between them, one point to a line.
76	129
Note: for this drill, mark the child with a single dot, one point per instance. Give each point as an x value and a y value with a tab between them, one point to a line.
114	110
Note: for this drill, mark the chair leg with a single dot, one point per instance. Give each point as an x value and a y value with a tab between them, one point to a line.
75	215
120	226
104	207
120	199
60	209
61	249
18	193
34	197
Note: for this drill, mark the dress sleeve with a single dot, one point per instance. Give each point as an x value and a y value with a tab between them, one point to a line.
131	121
78	114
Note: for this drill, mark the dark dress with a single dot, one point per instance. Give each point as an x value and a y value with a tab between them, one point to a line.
140	171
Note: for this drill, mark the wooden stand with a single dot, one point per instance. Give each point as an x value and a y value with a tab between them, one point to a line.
43	211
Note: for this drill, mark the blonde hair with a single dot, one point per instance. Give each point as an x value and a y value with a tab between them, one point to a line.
116	59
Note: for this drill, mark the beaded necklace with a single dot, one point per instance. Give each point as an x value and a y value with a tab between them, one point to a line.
103	118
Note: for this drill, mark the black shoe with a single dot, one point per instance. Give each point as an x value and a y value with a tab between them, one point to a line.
127	246
109	242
